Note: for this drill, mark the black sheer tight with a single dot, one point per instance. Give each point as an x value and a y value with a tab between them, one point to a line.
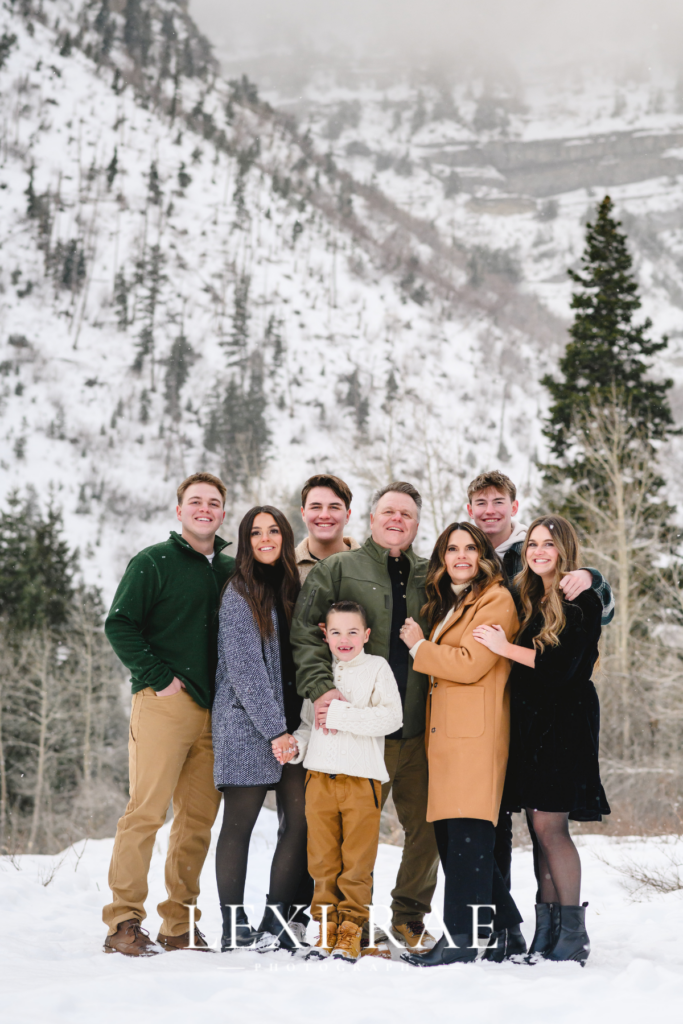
241	806
559	865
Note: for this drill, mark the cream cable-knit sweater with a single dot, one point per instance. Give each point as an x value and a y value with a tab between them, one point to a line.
373	711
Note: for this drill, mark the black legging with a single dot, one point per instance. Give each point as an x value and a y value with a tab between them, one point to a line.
472	875
241	807
502	851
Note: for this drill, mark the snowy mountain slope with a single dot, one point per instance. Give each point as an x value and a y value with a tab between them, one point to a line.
163	246
191	279
57	970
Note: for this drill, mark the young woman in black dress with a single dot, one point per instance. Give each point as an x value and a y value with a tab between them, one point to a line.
554	728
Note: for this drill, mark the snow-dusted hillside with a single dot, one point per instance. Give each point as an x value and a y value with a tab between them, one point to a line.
190	278
54	970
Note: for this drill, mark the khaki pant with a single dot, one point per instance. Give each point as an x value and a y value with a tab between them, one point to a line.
342	814
170	758
406	763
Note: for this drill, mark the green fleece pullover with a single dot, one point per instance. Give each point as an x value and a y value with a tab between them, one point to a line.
163	621
360	576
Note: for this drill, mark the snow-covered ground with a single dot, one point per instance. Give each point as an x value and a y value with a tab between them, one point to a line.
53	967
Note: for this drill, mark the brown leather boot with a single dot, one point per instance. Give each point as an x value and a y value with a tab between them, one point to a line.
325	944
347	946
131	939
171	942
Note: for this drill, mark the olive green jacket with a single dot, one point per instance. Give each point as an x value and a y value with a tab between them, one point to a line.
360	576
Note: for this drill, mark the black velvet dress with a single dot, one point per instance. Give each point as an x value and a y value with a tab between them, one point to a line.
555	719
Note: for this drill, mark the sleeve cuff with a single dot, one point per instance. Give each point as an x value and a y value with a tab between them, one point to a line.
413	650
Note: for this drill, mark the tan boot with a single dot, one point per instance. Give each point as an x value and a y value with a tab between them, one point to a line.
322	949
171	942
347	946
410	935
131	940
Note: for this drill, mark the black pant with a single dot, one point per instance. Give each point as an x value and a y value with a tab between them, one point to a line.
241	807
304	893
502	850
472	875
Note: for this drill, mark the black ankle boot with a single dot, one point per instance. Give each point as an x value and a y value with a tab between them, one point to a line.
246	937
572	942
547	928
442	954
508	943
271	923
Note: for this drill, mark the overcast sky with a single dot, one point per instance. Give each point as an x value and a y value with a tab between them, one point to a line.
524	32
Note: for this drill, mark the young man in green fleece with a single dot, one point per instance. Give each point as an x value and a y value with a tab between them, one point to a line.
163	625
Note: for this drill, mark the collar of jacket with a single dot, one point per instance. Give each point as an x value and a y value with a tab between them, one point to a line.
455	616
358	660
303	554
218	544
381	554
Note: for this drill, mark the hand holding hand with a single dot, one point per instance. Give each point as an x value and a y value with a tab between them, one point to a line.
321	707
411	633
284	748
575	582
175	687
492	637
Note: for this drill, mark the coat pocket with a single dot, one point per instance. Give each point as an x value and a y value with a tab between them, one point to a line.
465	715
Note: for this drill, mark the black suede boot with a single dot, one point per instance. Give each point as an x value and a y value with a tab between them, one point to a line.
271	923
442	954
245	936
572	942
509	943
547	928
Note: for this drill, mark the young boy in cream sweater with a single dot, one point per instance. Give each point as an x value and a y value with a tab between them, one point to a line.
345	762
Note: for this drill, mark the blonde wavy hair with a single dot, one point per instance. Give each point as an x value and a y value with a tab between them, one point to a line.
530	585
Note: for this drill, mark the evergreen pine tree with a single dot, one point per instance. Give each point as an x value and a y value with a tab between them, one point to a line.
178	364
121	300
607	419
608	353
154	187
113	168
237	343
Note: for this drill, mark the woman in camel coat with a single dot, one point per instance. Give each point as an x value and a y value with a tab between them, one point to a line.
467	736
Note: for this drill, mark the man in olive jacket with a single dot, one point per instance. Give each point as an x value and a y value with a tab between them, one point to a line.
163	625
387	578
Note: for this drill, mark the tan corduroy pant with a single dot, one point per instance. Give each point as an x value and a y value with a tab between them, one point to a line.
342	814
170	758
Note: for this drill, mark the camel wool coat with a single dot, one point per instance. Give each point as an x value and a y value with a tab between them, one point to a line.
468	710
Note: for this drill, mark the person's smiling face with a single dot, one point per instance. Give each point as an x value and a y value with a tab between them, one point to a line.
346	634
492	511
325	514
266	539
461	557
541	553
201	512
395	521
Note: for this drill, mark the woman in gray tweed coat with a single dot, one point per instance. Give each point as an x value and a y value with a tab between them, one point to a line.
255	711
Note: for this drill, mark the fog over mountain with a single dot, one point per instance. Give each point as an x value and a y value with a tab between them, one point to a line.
522	34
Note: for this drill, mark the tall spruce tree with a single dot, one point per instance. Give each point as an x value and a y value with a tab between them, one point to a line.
608	354
606	422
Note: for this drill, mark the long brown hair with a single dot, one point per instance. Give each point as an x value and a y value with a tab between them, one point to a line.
440	598
532	590
248	581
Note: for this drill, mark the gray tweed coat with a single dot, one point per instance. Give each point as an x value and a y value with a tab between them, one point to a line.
248	710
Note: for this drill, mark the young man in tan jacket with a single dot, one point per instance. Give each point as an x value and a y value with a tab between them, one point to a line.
325	509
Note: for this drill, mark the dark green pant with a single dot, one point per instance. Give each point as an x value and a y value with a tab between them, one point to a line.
406	763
